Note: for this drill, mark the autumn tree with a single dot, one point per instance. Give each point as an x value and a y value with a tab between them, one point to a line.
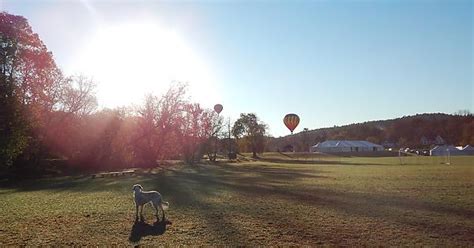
33	90
214	133
198	127
76	102
29	81
159	122
252	131
77	96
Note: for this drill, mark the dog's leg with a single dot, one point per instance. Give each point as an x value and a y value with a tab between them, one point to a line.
136	211
163	211
141	212
156	210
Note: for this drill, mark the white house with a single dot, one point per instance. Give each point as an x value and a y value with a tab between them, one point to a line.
346	146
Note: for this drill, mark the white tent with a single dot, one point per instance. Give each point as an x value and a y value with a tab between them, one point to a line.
468	150
446	150
441	150
346	146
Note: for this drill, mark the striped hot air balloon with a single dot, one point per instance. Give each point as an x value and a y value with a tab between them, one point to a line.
291	121
218	108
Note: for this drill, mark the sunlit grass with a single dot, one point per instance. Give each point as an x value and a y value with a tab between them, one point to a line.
353	201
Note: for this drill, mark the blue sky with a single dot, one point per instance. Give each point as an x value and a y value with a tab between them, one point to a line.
330	62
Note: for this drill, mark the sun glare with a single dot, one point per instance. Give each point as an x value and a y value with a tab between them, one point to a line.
130	60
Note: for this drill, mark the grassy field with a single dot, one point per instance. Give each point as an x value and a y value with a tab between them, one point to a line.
278	201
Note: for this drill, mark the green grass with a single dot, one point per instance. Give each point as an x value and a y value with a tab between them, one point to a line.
330	201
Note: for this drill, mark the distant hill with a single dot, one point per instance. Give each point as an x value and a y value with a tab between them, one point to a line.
417	131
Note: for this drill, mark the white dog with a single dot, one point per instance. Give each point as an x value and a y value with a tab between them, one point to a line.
144	197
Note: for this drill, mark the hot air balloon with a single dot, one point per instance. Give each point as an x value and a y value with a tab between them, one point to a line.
218	108
291	121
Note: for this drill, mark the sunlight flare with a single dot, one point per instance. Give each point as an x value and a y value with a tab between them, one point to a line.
132	59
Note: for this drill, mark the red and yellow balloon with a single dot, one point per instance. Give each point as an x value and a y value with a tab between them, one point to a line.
291	121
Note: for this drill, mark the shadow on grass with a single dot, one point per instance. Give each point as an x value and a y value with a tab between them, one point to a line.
260	185
142	229
195	185
74	184
166	179
311	161
192	187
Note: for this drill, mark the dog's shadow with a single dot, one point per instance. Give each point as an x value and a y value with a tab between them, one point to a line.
142	229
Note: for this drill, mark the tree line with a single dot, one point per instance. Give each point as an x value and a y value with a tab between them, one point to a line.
46	115
418	131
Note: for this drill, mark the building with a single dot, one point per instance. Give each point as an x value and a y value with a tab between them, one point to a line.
439	141
388	144
346	146
425	141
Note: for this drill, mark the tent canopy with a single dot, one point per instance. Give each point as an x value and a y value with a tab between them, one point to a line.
346	143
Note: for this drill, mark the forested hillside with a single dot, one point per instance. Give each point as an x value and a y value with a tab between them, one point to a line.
417	131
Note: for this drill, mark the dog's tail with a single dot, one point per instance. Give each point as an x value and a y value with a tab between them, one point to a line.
165	205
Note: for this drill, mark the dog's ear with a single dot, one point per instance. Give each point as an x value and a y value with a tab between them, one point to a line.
137	186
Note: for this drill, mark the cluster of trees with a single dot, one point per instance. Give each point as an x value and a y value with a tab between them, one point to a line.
47	115
409	131
35	96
